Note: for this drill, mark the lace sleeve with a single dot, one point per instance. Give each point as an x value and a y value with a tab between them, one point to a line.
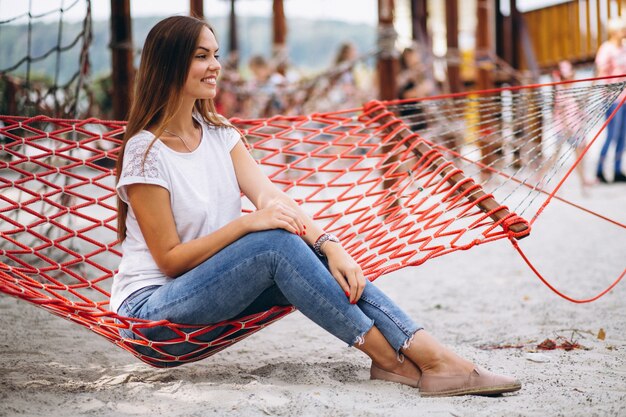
141	168
137	163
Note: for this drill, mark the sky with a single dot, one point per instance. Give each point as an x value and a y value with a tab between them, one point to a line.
357	11
321	9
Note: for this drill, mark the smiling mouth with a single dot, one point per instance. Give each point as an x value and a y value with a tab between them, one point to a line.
209	80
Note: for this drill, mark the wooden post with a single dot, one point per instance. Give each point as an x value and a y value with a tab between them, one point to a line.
599	34
484	35
279	29
419	19
516	18
387	65
588	27
575	22
452	38
121	58
504	38
196	8
9	96
387	59
233	42
488	142
419	26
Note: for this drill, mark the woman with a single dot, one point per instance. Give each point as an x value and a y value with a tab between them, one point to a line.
191	257
412	83
568	122
611	60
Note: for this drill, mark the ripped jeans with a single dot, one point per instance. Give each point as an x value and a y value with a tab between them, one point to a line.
256	272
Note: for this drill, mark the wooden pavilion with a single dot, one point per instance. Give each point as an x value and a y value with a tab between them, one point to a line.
533	41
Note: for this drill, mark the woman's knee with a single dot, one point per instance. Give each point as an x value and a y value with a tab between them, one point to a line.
282	241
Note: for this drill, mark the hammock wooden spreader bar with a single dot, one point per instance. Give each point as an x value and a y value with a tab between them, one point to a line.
422	149
393	196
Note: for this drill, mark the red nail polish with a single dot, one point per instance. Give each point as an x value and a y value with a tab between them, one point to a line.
347	294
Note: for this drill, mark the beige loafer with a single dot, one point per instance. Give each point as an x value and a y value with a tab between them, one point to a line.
377	373
478	382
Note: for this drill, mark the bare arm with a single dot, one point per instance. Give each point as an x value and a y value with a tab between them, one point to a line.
151	205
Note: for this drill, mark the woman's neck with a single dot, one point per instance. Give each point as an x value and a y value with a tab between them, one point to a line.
182	122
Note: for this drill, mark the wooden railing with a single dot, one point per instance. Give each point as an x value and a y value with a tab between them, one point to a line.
573	30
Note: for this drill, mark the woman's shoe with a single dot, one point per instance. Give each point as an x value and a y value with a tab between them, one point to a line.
377	373
477	382
619	177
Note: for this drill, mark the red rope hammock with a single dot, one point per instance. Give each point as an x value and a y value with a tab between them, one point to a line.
390	195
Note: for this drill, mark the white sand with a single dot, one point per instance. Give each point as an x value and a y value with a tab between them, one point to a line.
485	296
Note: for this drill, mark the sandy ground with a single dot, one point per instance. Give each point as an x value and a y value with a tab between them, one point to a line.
472	300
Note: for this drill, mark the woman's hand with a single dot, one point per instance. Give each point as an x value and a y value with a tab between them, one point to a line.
277	215
345	270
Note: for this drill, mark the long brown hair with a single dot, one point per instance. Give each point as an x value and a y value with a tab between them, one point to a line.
165	60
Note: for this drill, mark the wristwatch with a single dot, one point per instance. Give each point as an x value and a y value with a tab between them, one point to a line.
317	246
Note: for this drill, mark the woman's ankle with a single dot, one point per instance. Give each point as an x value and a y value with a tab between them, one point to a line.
405	368
434	358
448	363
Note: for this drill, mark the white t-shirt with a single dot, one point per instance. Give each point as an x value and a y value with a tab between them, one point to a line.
204	195
611	60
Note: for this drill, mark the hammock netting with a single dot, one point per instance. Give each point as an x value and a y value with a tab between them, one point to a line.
399	182
51	75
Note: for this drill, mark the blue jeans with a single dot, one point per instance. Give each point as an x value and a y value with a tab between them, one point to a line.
259	271
615	132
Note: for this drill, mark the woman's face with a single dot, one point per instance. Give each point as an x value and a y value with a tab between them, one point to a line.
202	77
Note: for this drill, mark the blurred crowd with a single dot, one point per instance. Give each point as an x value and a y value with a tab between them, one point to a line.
264	87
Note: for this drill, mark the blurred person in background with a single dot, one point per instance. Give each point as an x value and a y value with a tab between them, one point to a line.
610	61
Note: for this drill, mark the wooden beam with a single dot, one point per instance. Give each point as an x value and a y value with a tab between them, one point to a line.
9	95
484	46
196	8
598	24
588	26
387	59
419	22
121	58
279	26
452	39
516	28
575	22
233	41
503	33
489	142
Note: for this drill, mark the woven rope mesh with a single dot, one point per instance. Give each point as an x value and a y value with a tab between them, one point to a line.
45	71
395	197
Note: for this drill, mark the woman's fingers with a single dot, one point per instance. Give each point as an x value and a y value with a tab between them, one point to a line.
293	218
299	224
288	225
292	224
341	281
357	283
354	287
362	282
